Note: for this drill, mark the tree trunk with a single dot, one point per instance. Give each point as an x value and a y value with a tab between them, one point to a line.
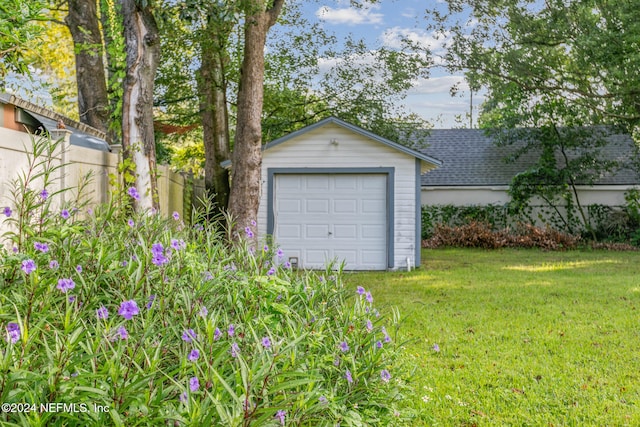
84	25
247	155
143	51
215	121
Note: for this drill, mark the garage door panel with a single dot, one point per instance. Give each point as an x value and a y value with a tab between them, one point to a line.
346	231
289	206
316	182
343	206
373	206
372	231
350	257
326	217
345	183
316	231
290	231
317	206
375	183
314	258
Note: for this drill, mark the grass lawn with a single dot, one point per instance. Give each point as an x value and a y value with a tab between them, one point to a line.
519	337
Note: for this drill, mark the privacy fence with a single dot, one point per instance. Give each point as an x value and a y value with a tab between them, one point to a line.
71	164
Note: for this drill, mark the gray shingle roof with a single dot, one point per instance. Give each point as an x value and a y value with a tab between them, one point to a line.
471	158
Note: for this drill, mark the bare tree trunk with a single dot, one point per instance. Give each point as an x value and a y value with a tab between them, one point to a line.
247	154
143	51
214	116
84	25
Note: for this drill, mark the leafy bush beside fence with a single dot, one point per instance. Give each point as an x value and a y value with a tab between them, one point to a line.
134	320
609	224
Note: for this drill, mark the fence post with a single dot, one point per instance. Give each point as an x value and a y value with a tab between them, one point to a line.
64	136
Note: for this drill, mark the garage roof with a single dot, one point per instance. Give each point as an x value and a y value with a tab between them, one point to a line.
334	120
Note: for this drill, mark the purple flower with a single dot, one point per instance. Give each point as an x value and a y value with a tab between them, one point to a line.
131	223
133	192
44	194
157	249
128	309
65	214
13	332
159	260
53	264
344	347
253	223
79	268
271	271
323	400
280	253
266	342
348	376
189	335
42	247
369	297
183	397
65	285
385	375
217	334
193	355
232	330
369	326
436	348
175	215
28	266
194	384
248	232
235	350
379	344
287	265
280	416
203	311
71	298
7	211
266	248
102	312
152	298
122	331
360	290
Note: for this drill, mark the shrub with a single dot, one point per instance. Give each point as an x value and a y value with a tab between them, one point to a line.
481	235
129	319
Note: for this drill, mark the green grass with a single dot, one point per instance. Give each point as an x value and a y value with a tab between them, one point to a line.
525	337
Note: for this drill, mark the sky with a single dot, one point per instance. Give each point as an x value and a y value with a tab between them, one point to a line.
384	23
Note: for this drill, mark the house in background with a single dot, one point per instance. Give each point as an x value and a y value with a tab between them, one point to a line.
25	117
334	191
474	170
82	151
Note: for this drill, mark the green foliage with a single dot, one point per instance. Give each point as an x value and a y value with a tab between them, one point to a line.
144	321
18	33
116	56
495	216
512	224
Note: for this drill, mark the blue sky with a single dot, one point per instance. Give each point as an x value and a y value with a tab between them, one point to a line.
384	23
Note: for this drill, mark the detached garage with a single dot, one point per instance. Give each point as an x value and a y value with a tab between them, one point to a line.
334	191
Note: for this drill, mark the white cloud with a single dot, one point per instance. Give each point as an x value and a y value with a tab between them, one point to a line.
439	85
393	38
350	16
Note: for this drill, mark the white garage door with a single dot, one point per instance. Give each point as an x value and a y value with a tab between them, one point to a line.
322	217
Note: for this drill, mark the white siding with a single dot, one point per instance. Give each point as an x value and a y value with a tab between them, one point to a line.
609	195
314	149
